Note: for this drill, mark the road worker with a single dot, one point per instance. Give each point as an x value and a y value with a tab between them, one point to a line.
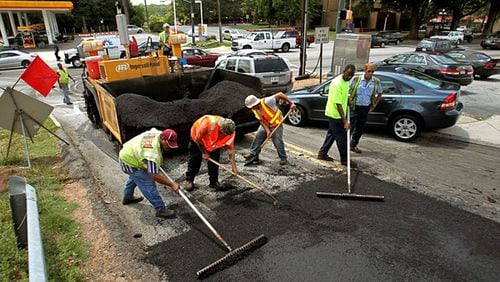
164	40
209	134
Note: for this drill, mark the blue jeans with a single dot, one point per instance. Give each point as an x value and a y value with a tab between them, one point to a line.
358	120
277	138
336	132
65	91
147	186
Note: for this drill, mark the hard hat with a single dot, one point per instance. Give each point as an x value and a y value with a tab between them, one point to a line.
166	25
227	126
251	101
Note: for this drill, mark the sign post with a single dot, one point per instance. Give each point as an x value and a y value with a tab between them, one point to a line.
321	38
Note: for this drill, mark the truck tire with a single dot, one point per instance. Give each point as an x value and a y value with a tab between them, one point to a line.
285	47
247	47
76	62
91	108
397	41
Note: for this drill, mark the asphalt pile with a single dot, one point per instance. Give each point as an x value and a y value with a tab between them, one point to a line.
225	98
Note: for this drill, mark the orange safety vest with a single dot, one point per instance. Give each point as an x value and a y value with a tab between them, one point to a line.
213	140
268	114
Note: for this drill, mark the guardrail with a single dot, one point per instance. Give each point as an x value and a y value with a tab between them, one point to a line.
24	207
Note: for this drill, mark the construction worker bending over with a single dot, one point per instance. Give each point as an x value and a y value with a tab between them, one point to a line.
365	93
209	134
336	113
164	40
267	112
141	158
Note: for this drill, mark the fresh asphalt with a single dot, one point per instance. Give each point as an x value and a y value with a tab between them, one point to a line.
407	237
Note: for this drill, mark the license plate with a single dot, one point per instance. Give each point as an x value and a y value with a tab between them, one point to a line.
463	72
275	79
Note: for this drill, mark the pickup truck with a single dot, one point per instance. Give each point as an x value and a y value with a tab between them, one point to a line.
456	37
295	34
75	56
263	40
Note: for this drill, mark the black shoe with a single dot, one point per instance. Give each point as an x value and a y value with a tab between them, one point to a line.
353	164
165	214
216	186
132	201
69	103
324	158
250	156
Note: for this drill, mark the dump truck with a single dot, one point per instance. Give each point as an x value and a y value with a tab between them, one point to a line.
125	97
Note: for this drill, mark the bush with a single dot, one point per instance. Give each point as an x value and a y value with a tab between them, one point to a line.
262	23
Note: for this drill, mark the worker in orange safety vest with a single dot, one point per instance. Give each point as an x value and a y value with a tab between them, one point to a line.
209	134
267	111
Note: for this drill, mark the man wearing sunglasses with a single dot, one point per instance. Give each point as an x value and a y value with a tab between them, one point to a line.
365	93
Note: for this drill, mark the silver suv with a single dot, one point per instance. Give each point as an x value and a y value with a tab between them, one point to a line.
273	71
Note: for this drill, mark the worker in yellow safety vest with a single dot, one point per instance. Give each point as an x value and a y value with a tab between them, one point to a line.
141	158
63	81
164	40
267	111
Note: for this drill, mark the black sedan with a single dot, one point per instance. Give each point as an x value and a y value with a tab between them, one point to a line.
411	102
379	41
484	65
492	41
437	65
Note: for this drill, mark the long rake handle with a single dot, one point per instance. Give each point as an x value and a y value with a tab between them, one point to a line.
349	152
272	132
275	201
181	192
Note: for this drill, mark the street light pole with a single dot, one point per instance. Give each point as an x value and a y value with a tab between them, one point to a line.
175	18
220	21
201	10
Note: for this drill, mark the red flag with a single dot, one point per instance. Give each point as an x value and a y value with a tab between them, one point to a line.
40	76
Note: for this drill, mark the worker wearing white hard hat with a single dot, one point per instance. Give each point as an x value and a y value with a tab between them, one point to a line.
164	40
267	111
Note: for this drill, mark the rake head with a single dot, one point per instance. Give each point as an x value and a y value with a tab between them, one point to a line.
350	196
232	257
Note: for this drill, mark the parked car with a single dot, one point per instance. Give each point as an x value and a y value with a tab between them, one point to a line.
273	71
455	37
412	102
232	34
242	52
468	35
434	45
295	34
199	57
392	36
439	66
15	59
134	29
379	41
484	65
492	41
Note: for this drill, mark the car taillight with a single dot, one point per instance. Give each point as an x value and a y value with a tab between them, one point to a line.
489	65
449	102
448	71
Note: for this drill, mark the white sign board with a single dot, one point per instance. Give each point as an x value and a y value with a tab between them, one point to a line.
321	35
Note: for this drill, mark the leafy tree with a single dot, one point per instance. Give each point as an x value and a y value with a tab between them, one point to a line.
460	8
137	15
493	16
416	8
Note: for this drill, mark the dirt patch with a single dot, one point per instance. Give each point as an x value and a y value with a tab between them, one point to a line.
105	263
298	84
5	173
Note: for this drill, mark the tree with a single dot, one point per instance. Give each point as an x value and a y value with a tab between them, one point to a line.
493	16
416	8
460	8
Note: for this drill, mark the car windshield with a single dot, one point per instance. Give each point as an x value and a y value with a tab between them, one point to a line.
444	33
251	35
443	59
426	44
270	65
423	79
279	34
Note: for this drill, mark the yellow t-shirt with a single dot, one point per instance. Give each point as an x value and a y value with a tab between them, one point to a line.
338	92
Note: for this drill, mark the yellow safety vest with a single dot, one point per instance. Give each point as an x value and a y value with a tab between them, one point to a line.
63	76
145	146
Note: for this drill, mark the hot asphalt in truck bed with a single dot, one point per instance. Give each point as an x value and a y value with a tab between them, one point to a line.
408	237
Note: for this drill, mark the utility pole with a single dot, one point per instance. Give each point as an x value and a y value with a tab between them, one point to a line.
220	21
338	27
146	12
192	21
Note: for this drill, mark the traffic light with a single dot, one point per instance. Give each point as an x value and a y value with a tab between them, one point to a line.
349	15
343	14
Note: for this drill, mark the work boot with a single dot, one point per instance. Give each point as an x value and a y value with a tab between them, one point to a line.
353	164
249	157
165	213
324	157
356	150
133	200
283	162
216	185
188	186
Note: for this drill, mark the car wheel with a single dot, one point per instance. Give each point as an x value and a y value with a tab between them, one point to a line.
285	47
247	47
382	45
484	76
25	63
139	31
76	62
405	128
459	41
397	41
298	116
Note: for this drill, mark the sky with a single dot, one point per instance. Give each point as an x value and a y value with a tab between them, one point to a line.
137	2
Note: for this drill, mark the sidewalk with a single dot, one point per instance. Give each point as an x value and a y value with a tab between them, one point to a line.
483	132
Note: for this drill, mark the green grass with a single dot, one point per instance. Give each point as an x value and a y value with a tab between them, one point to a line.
211	44
64	252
